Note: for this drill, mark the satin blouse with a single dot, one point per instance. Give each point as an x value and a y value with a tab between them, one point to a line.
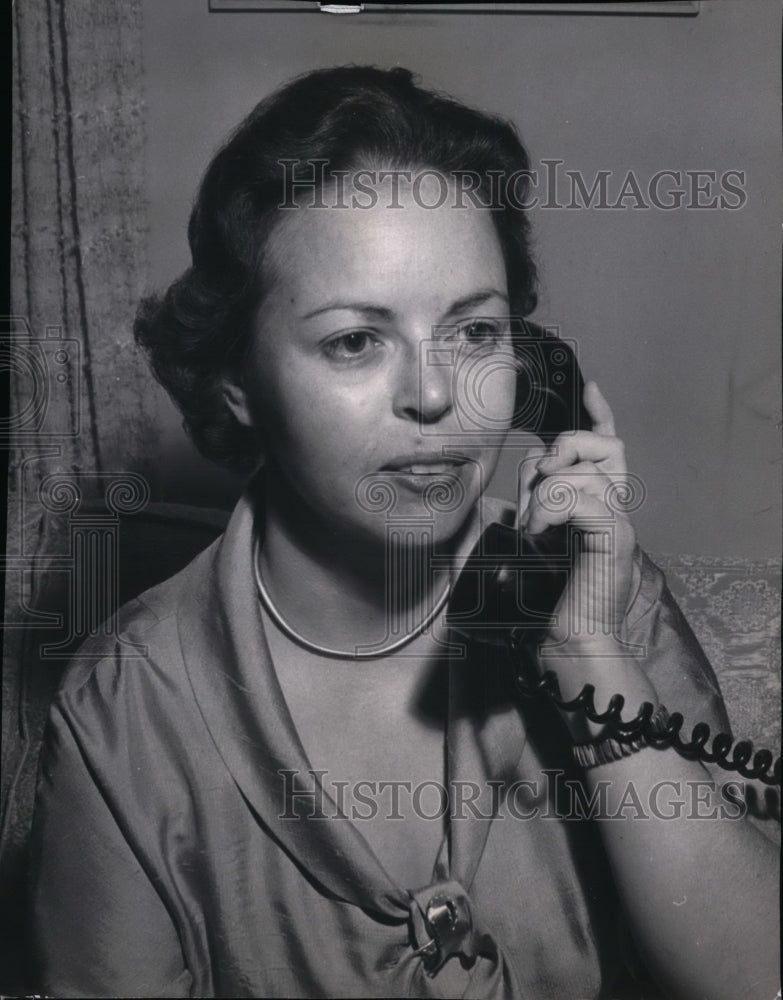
175	851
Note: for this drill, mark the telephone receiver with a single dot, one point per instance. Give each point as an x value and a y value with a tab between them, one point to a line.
511	580
510	585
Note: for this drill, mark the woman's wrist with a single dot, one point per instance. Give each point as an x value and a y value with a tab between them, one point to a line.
610	668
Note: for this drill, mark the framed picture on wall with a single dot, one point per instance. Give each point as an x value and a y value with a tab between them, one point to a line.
391	388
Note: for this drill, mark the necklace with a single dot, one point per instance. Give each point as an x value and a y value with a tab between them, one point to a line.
314	647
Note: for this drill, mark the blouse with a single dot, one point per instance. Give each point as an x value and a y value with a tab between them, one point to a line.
182	846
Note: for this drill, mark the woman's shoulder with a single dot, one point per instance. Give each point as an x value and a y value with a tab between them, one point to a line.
139	644
125	729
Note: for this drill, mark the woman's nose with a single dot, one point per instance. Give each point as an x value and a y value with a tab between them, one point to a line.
424	391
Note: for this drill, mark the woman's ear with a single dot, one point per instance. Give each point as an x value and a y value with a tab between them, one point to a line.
236	400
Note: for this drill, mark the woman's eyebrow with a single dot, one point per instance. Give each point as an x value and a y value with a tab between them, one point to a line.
462	305
381	312
469	302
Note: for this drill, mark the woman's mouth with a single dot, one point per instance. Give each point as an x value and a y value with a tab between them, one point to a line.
419	472
423	465
435	469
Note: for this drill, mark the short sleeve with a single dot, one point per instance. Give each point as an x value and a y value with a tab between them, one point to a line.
670	653
98	925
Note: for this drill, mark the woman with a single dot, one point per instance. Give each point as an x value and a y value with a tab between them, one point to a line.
260	799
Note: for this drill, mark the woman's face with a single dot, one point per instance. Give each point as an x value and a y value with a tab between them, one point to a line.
368	367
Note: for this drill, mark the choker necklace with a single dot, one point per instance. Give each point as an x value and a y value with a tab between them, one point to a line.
338	654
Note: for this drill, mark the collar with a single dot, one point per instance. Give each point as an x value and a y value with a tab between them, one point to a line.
235	685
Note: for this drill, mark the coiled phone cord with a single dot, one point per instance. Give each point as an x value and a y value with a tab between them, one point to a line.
724	752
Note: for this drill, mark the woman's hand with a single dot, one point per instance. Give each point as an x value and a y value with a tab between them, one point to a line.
579	480
582	480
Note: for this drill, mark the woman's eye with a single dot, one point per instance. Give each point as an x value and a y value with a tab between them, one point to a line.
350	346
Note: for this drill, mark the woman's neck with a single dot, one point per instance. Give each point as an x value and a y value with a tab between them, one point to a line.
342	590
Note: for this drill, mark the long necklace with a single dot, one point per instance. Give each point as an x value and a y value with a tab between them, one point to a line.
339	654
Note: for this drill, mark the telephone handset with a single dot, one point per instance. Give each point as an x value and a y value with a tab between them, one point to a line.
511	582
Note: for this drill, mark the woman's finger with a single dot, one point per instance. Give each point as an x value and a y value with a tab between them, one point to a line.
599	410
578	492
528	476
584	446
583	508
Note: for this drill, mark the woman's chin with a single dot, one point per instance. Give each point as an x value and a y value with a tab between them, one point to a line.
435	532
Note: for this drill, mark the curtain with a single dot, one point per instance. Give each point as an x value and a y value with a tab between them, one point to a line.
78	433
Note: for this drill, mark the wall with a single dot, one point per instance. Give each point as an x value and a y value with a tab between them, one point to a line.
676	313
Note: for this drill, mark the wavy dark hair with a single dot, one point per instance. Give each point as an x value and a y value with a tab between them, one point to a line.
197	333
